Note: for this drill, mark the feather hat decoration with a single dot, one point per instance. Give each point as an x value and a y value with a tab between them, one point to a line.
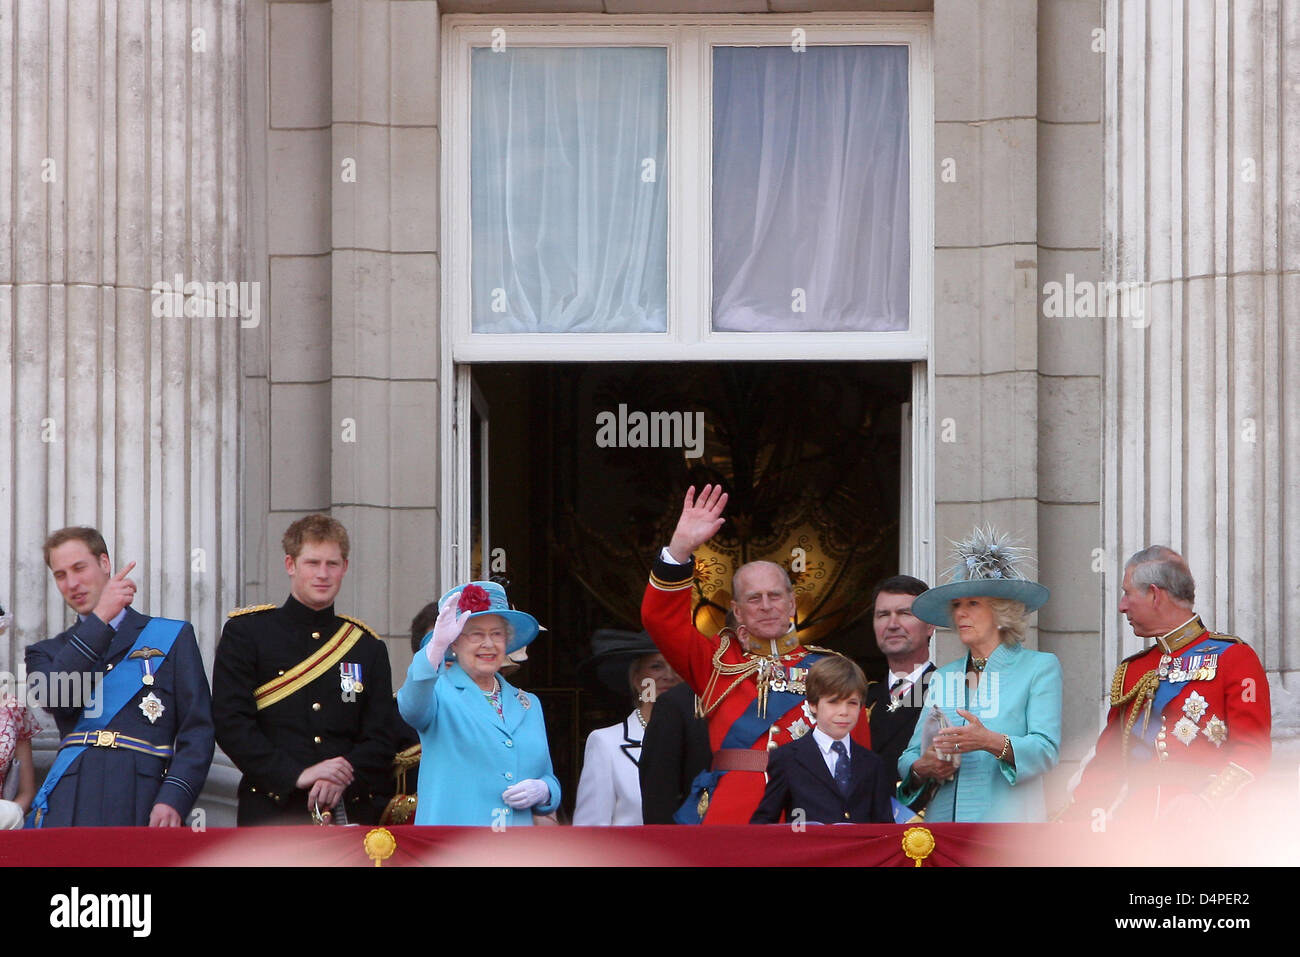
987	563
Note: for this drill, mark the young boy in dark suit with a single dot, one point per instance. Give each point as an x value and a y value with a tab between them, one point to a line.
826	777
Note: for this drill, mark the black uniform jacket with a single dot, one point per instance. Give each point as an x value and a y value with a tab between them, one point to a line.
321	720
674	750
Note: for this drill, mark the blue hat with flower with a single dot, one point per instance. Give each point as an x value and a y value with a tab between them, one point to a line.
489	598
986	566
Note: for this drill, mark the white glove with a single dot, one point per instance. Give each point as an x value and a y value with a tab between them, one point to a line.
525	794
445	630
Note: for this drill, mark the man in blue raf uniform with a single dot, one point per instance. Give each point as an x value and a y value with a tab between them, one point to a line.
303	697
129	696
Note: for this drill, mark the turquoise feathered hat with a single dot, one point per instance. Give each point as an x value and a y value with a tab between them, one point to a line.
987	566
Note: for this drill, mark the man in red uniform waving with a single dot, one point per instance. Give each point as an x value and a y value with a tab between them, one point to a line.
1189	719
750	683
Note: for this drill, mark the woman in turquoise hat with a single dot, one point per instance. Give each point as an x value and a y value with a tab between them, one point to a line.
485	758
991	726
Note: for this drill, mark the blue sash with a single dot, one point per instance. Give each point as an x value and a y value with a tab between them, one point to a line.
116	689
1168	690
742	734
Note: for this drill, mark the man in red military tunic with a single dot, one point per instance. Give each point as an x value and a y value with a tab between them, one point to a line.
750	683
1189	721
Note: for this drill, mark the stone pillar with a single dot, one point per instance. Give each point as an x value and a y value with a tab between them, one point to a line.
985	329
1202	443
121	132
384	355
1071	87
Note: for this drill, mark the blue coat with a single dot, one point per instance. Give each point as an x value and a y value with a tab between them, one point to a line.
117	787
469	755
1019	695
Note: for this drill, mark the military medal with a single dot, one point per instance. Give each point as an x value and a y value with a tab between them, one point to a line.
797	676
896	696
1163	670
350	677
146	656
152	707
1209	667
778	680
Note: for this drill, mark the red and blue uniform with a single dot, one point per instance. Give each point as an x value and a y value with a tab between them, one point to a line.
1189	715
727	680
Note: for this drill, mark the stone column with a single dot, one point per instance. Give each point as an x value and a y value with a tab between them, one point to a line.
122	169
986	389
384	474
1202	440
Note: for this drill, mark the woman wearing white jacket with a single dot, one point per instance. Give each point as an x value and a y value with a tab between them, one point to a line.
609	790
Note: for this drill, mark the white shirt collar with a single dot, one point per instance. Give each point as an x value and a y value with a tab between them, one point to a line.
914	677
824	742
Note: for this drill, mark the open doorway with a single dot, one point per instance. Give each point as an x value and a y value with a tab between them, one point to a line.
578	471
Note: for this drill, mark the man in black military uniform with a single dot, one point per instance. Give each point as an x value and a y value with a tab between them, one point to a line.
302	697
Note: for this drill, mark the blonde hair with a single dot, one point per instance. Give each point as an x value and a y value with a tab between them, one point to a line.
1011	618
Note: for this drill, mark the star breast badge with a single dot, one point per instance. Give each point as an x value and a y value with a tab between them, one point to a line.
1194	707
152	707
799	729
1185	731
1216	730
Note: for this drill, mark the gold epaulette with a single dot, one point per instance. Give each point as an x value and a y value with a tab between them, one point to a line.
360	624
824	651
250	609
1232	638
1117	682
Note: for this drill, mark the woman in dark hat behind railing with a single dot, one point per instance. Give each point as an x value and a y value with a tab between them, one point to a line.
609	790
485	757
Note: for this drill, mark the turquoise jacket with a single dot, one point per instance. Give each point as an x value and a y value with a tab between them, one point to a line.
469	755
1019	695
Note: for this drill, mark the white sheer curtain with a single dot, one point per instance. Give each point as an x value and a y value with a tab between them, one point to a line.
810	189
569	191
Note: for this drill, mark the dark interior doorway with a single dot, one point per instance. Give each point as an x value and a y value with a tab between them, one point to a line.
582	493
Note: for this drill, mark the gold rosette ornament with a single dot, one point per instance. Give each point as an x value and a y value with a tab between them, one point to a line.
918	842
379	844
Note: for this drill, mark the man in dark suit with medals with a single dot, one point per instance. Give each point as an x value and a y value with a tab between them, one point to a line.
895	703
302	696
129	695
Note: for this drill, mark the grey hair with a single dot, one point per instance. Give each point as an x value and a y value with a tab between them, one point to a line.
1164	568
735	578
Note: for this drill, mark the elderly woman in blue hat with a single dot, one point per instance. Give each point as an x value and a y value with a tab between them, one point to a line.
485	759
991	727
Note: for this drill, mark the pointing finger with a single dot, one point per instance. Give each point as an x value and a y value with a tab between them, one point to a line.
124	572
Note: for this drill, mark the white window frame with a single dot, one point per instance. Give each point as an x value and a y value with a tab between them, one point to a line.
689	40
